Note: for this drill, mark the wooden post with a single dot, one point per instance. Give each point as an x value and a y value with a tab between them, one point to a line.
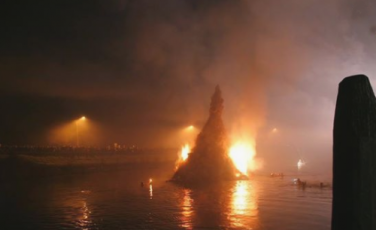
354	156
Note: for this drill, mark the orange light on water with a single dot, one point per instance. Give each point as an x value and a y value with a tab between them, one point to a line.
151	191
244	206
187	210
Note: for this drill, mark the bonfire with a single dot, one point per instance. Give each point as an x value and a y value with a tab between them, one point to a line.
210	159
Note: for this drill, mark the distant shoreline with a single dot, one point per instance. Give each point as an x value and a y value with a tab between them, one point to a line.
19	167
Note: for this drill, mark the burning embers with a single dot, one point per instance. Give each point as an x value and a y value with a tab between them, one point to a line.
212	159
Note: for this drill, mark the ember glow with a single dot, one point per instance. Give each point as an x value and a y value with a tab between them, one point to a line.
242	154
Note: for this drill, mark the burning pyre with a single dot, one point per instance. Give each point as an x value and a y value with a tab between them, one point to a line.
211	159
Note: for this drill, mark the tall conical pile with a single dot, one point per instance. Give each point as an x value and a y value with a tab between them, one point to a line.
209	160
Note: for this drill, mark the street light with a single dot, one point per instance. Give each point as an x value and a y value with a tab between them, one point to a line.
83	118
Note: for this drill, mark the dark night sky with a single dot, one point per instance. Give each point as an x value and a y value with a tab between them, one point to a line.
143	70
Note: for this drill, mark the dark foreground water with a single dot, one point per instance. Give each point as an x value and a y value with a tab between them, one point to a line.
115	200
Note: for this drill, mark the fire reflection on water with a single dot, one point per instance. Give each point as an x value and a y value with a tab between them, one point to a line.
75	208
187	210
240	201
151	191
84	219
244	208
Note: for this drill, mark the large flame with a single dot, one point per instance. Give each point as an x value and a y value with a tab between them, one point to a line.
185	150
183	155
242	154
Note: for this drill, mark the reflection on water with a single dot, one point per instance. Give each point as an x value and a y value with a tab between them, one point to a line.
244	204
117	201
76	210
151	191
84	219
187	210
241	198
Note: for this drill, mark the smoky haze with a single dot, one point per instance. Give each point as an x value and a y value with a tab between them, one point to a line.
144	70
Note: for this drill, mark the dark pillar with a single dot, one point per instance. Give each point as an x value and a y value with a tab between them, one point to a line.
354	156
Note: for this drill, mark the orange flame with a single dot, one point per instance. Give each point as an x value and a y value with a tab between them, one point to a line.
183	155
185	150
242	155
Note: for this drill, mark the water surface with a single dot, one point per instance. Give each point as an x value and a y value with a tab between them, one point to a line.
116	200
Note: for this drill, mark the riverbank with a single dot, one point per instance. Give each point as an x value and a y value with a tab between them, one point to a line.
24	167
